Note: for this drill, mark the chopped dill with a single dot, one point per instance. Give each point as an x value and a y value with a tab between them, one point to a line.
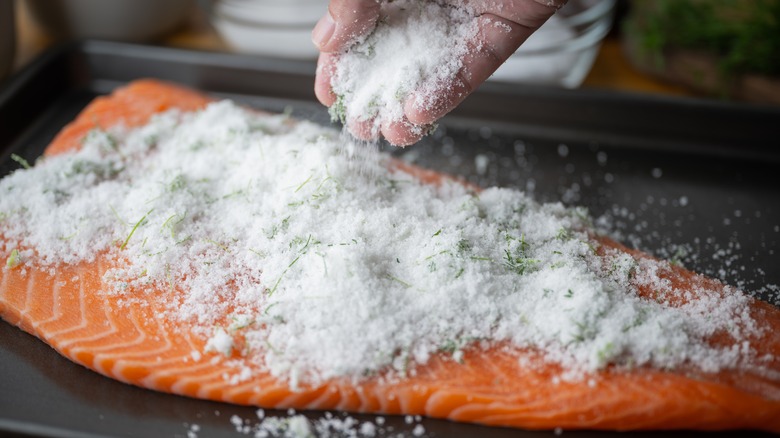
563	234
446	251
338	111
177	183
135	227
304	183
258	253
170	224
679	254
22	162
464	245
70	236
113	210
606	353
398	280
450	346
279	280
219	245
14	259
518	264
581	334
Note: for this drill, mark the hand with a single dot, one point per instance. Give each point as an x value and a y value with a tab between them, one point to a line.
347	20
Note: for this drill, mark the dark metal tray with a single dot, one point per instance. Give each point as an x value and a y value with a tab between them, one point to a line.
690	179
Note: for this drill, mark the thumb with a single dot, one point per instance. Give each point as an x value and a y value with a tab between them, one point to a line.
345	22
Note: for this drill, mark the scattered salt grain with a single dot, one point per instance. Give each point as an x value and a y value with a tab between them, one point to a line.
299	427
368	429
220	342
193	430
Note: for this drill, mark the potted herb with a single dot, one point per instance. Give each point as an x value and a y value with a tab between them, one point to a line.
728	48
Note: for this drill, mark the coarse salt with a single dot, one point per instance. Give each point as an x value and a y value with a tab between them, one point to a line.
257	229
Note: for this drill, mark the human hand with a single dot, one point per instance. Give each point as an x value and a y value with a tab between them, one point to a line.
502	26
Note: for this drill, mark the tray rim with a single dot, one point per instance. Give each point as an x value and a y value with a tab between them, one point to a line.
686	125
85	48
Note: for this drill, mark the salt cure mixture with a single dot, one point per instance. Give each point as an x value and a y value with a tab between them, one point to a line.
416	47
272	246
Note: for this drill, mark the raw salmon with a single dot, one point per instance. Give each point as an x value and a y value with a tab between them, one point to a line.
492	386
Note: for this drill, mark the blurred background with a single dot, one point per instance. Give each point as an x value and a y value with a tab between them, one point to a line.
724	49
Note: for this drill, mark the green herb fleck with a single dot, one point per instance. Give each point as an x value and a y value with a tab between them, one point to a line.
22	162
606	353
399	281
518	264
276	285
464	245
219	245
135	227
14	259
304	183
563	234
338	111
177	183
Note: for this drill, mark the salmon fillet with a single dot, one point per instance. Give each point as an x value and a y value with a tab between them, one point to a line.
497	385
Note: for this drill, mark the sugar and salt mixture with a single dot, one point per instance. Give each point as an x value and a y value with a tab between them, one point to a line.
270	243
416	49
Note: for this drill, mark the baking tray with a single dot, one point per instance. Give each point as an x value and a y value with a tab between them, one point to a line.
691	179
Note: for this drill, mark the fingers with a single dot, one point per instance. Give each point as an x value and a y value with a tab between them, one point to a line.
495	41
402	132
345	22
363	129
528	13
503	26
326	68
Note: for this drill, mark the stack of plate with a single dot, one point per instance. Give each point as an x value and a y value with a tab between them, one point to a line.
280	28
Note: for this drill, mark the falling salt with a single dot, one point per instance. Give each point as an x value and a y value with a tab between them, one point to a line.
481	163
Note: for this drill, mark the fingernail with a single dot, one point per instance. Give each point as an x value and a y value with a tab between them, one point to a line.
323	31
